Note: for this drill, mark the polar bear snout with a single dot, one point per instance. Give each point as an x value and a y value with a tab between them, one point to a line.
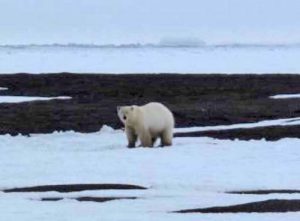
121	114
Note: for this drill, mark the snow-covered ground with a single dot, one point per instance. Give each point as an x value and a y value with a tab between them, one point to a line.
193	173
285	96
19	99
264	123
154	59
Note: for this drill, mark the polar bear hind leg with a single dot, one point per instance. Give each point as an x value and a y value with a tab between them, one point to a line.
166	137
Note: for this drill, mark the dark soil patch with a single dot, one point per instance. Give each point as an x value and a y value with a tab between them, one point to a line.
262	192
75	187
102	199
196	100
269	133
54	199
90	199
268	206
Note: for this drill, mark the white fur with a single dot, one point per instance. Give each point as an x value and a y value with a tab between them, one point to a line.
148	122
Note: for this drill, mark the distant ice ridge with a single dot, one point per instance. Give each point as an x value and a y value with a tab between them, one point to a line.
181	42
163	43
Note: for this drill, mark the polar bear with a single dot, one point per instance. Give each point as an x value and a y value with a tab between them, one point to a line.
147	123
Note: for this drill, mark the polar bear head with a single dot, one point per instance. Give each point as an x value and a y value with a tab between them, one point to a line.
127	114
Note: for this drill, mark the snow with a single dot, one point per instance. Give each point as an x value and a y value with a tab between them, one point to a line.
193	173
3	88
19	99
285	96
131	59
264	123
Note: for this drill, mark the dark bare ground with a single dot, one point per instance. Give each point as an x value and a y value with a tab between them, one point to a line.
268	206
196	100
90	199
75	187
102	199
52	199
263	192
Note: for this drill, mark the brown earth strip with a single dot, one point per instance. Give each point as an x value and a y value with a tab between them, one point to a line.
262	192
52	199
102	199
89	199
269	133
75	187
196	100
268	206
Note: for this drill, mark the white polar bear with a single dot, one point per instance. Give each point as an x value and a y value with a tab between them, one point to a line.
147	123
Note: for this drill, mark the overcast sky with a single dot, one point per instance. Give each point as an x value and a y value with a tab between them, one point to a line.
131	21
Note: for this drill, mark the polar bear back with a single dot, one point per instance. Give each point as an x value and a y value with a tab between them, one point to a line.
157	117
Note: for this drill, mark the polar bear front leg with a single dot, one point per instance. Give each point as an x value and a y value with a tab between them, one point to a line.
131	137
146	139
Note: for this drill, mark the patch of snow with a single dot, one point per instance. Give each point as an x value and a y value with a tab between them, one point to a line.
19	99
193	173
107	129
264	123
285	96
3	88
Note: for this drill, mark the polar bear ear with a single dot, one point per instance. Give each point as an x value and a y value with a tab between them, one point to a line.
131	108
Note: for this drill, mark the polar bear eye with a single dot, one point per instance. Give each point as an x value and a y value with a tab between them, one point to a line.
124	117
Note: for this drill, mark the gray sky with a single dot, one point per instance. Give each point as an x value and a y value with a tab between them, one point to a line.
130	21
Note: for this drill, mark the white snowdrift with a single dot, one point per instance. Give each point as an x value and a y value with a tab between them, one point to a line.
19	99
265	123
285	96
